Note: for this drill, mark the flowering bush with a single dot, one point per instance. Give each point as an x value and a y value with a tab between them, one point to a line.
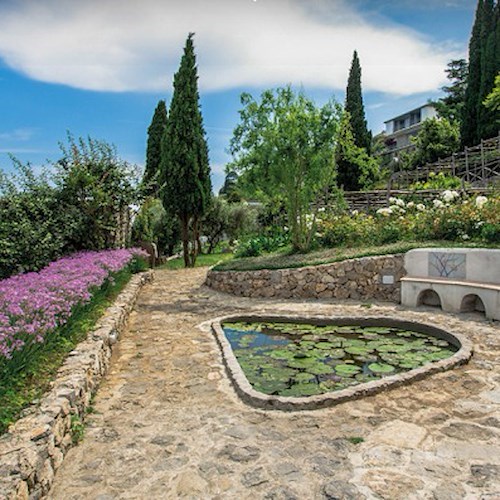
448	217
35	304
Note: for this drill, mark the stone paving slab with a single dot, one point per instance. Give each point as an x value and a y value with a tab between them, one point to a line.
167	423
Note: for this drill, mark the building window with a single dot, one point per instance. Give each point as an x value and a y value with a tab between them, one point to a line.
415	117
399	124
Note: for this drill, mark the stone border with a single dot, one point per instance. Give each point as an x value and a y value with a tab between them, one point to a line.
364	278
259	400
34	447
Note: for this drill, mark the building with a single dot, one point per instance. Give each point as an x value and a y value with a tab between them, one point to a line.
400	130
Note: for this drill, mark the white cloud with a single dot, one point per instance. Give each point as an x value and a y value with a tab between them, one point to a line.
116	45
17	135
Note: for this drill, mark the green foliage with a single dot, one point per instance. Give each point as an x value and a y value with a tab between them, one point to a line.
242	220
438	138
46	216
451	106
185	171
77	429
492	100
35	227
257	245
216	222
438	181
283	147
150	180
153	224
479	122
355	168
95	187
354	106
203	260
230	189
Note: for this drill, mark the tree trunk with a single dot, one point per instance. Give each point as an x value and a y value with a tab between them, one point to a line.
185	240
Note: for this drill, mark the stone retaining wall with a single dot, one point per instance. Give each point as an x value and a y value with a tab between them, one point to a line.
34	446
367	278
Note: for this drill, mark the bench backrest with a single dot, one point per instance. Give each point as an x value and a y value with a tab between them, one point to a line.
466	264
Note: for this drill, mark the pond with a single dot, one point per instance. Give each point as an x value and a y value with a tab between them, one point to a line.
299	359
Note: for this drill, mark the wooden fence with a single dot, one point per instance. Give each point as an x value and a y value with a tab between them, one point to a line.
477	166
367	201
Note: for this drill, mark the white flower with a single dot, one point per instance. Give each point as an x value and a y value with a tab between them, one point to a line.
449	196
392	200
321	209
399	202
285	228
384	211
438	203
410	204
465	237
355	212
481	201
421	207
479	224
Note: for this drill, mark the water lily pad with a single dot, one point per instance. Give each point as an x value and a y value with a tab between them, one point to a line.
336	354
347	370
270	386
303	377
320	369
381	368
362	350
326	345
301	390
282	354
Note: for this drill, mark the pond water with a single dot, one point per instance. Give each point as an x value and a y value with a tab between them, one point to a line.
291	359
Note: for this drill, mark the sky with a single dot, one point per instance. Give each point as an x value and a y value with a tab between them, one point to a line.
98	67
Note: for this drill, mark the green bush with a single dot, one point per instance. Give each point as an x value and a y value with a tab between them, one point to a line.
257	245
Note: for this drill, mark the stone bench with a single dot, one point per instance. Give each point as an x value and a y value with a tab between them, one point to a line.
457	279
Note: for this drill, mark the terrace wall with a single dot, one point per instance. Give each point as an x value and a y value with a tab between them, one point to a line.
367	278
34	446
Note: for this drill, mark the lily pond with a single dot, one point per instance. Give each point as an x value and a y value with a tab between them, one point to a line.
290	359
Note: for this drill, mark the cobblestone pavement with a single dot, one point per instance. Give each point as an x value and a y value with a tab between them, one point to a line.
167	423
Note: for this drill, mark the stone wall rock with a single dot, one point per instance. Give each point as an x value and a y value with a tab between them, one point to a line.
34	447
366	278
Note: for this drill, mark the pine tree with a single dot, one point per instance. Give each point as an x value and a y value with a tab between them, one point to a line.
477	122
153	150
451	106
354	105
186	190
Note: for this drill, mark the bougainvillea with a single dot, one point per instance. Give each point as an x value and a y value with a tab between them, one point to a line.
33	305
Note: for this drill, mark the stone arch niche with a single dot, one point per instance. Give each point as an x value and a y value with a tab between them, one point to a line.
429	297
472	302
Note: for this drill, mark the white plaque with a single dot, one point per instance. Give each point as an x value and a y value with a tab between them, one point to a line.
388	279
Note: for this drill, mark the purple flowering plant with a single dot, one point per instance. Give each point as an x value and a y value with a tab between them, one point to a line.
36	304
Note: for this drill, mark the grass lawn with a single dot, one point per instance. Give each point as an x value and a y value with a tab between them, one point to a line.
201	261
20	388
285	259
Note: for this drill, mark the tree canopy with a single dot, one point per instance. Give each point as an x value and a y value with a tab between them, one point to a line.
185	170
283	146
153	150
480	122
451	106
354	105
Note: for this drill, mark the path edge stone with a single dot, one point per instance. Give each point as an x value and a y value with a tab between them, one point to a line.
34	447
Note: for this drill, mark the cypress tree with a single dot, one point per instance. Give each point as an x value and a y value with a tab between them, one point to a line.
354	105
153	149
478	122
487	126
186	188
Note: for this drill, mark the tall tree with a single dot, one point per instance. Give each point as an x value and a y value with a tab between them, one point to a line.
354	105
283	147
451	105
355	168
185	170
484	64
153	150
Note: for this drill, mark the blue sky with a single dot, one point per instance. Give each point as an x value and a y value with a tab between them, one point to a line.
99	67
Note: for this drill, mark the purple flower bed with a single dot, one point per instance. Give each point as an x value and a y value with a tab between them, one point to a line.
34	304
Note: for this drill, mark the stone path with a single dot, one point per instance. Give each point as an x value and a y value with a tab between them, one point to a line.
167	423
